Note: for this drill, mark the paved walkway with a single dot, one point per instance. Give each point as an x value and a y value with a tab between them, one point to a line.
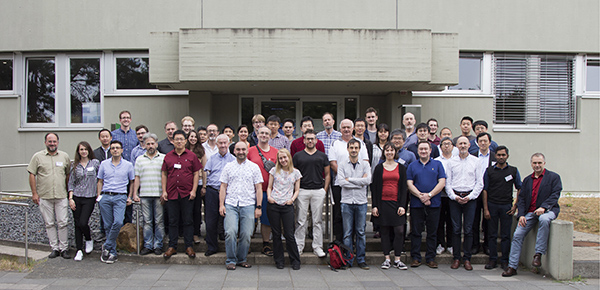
92	274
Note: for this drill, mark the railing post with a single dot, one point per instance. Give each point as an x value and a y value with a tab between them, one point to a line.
26	237
137	228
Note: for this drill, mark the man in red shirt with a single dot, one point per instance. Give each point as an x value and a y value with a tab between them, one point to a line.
537	203
298	144
179	183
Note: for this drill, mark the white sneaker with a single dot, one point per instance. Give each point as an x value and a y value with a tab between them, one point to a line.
449	250
439	249
319	252
79	256
89	246
401	266
386	264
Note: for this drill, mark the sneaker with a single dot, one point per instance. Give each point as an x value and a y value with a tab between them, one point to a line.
54	254
65	254
449	250
439	250
104	255
111	259
89	246
363	266
145	251
386	264
319	252
78	256
401	266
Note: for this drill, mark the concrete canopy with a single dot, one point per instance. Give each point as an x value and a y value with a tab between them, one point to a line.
303	61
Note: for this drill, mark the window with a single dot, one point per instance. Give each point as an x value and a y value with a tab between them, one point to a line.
469	72
6	74
85	90
132	73
592	80
534	90
41	90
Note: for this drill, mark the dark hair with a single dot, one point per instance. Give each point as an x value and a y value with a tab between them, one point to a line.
100	132
288	120
446	138
202	128
424	142
502	147
273	118
310	131
307	119
89	149
479	123
387	145
352	141
197	148
47	134
169	122
422	126
116	142
371	110
431	119
484	134
385	127
180	132
359	119
227	126
467	118
142	127
398	132
242	126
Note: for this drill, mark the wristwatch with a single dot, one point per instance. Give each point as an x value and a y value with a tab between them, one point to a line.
259	207
429	194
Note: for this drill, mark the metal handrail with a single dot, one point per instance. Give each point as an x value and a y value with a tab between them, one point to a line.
26	219
13	165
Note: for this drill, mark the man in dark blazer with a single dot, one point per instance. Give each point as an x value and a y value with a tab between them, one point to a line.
487	156
103	152
537	203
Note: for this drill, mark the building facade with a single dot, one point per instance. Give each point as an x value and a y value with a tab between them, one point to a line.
531	69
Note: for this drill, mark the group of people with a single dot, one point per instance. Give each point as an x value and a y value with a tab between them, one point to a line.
447	184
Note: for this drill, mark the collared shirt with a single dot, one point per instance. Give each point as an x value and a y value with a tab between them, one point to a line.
102	154
180	173
129	140
137	152
339	153
435	141
214	167
464	175
116	178
83	181
298	145
535	187
208	151
484	161
241	180
165	146
498	182
354	190
149	171
406	157
280	141
444	161
474	148
50	173
328	138
411	139
425	178
455	151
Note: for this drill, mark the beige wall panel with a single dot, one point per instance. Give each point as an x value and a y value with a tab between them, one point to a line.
226	110
444	58
164	60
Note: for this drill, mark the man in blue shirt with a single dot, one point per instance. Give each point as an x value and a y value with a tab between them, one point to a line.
426	178
125	135
405	157
114	176
214	167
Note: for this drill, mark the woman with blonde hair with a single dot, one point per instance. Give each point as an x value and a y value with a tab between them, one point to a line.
283	189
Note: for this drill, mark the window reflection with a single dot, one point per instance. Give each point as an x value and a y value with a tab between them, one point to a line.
40	90
469	72
132	73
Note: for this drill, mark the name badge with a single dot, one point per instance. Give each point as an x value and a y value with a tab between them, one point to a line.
401	161
508	178
90	169
177	166
59	164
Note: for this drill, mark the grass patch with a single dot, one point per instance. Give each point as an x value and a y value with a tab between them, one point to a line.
12	264
584	212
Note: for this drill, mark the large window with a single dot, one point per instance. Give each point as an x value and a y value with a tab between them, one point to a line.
469	72
41	90
85	90
534	90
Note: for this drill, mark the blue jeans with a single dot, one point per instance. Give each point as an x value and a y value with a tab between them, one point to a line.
421	216
458	212
354	218
112	208
154	227
541	241
498	214
238	220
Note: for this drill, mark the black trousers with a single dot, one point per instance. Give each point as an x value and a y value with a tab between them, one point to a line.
420	217
211	218
283	215
81	217
128	218
181	207
338	226
198	211
392	236
444	231
480	224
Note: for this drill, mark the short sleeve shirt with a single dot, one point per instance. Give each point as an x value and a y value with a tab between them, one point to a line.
180	173
312	168
149	171
83	181
425	177
51	173
241	180
116	178
283	184
271	155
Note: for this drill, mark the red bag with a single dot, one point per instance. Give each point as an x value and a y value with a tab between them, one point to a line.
339	255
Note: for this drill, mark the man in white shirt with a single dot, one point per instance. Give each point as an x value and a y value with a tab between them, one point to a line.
210	146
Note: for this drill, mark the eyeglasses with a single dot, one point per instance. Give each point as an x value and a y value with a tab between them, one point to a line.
115	148
179	139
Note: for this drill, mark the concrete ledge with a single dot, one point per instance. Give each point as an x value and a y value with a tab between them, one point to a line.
586	269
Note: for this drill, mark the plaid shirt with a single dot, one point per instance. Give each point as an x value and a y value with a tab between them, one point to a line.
280	142
328	139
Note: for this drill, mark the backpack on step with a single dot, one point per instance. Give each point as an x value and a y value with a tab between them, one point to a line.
339	255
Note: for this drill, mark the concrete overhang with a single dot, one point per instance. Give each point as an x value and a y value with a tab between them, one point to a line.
303	61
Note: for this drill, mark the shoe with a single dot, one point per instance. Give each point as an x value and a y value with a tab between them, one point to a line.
432	264
158	251
468	266
78	256
89	246
415	263
401	266
104	255
377	235
364	266
450	250
190	252
230	267
439	250
111	259
279	266
504	266
170	252
509	272
65	254
145	251
491	265
297	267
537	260
209	253
197	240
455	264
386	264
266	250
319	253
54	254
475	251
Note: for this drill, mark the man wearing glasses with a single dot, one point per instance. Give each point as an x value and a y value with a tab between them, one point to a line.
114	194
125	135
210	146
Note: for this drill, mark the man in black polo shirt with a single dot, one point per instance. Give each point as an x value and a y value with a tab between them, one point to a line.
498	182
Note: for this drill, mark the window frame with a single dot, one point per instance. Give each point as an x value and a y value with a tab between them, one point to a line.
581	89
10	93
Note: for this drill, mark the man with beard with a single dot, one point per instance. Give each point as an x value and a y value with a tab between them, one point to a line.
329	134
408	120
48	172
210	146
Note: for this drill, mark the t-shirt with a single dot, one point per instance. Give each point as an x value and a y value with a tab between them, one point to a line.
271	155
389	189
312	168
283	184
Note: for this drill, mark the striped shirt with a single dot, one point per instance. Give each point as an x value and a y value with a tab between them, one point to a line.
83	181
328	139
149	171
280	142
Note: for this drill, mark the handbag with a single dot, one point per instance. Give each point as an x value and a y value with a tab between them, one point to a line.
267	164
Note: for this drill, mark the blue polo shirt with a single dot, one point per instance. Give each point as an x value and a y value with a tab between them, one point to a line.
425	178
116	178
214	167
405	157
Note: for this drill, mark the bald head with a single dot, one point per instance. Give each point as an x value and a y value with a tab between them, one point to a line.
408	120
